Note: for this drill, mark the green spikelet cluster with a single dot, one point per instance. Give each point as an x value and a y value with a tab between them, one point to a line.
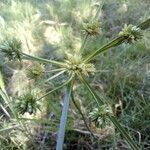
131	33
99	116
11	49
27	103
75	64
92	28
35	72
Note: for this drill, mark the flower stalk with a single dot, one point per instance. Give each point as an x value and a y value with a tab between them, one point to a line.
42	60
63	121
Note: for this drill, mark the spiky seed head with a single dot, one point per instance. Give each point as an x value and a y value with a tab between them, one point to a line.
131	33
11	49
35	71
74	64
92	28
99	115
27	103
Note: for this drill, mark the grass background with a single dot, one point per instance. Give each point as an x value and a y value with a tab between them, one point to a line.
48	28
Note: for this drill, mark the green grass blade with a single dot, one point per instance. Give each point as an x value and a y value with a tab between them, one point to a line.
123	132
84	43
4	95
61	133
9	128
4	110
99	102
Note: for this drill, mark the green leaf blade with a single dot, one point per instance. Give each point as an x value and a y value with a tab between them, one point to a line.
123	132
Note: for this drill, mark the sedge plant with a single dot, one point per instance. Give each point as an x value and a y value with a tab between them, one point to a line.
76	66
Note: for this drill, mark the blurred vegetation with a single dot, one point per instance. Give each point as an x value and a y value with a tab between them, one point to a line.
49	28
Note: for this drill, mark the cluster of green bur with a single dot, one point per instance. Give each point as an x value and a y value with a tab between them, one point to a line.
35	71
131	33
75	64
100	116
11	49
92	28
27	103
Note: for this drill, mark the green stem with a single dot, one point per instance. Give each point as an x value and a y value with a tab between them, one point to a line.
79	110
54	70
84	43
123	132
86	36
57	88
55	76
61	133
34	58
113	43
145	24
97	99
98	10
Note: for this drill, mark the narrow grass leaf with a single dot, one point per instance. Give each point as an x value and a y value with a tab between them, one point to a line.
123	132
4	110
